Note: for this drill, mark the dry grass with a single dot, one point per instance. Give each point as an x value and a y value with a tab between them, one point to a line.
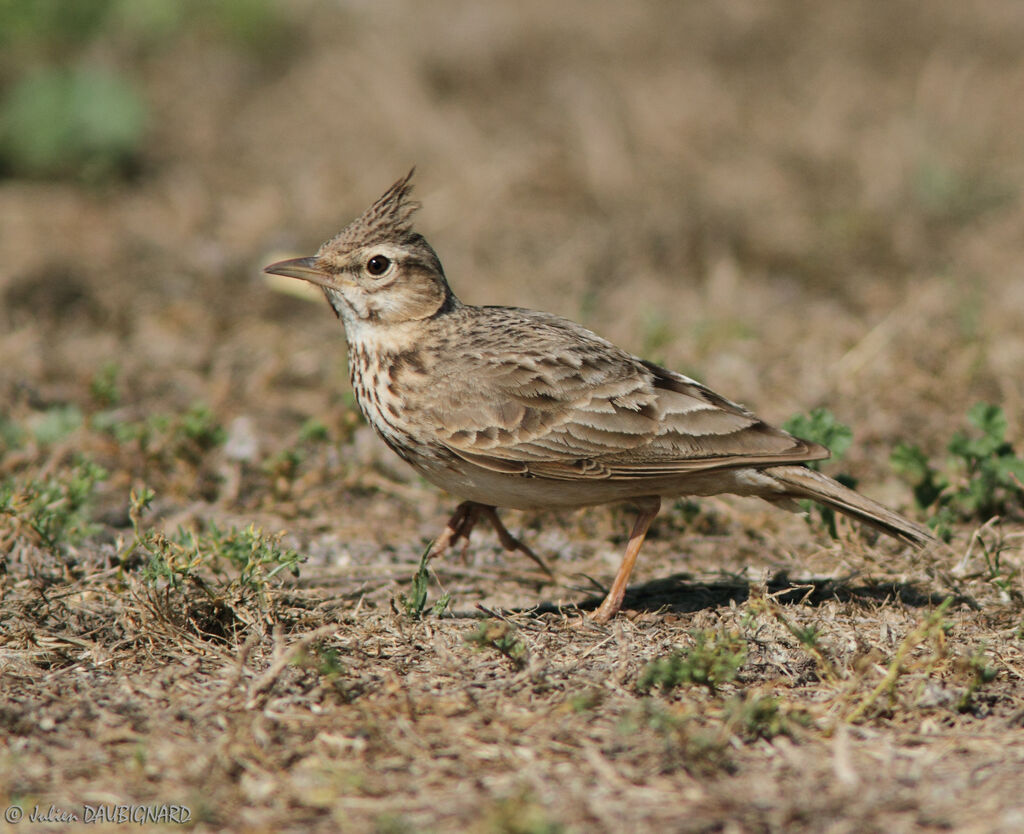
802	204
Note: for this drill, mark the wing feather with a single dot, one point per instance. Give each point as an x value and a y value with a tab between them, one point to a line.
575	406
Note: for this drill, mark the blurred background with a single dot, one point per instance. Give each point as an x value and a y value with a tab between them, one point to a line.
799	203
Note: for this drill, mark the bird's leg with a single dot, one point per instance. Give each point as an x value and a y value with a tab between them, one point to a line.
510	542
462	522
649	508
459	526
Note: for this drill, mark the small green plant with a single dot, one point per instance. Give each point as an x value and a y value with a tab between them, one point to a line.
416	603
253	25
1002	575
821	426
48	24
715	658
983	476
184	436
753	716
586	701
12	434
313	431
247	558
284	466
912	463
71	122
54	510
198	426
104	388
56	423
329	662
521	814
244	560
502	636
392	824
150	434
65	117
688	739
257	556
981	674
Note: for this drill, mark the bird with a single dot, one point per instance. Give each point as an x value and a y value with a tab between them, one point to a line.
514	408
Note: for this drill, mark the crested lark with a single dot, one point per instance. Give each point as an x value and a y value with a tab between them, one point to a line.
507	407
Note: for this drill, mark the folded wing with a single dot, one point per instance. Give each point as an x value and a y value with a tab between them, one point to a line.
575	406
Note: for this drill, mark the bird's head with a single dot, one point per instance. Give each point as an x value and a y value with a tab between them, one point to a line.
378	270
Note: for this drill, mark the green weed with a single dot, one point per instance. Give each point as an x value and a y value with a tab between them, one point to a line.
328	662
1002	575
71	122
391	824
50	23
753	716
521	815
12	434
687	740
56	423
981	674
983	477
64	117
416	603
104	388
198	426
821	426
715	658
313	431
586	701
243	561
945	194
184	436
54	511
283	466
502	636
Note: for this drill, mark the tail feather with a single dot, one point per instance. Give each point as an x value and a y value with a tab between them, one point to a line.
801	482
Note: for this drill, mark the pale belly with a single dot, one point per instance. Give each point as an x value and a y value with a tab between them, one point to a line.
524	493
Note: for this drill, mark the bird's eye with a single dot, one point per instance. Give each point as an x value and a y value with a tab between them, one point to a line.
378	265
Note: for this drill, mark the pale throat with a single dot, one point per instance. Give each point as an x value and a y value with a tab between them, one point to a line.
365	335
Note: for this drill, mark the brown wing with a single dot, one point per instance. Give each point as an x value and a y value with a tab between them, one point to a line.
575	406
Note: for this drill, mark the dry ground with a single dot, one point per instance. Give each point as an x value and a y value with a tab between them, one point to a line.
803	204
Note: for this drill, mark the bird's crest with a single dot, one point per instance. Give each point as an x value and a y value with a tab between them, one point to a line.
389	218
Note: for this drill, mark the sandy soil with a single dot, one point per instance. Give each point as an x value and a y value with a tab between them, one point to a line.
801	204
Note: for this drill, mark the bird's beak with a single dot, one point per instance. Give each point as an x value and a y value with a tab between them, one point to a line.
304	269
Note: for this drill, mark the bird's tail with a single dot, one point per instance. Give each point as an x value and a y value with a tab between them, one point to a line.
801	482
